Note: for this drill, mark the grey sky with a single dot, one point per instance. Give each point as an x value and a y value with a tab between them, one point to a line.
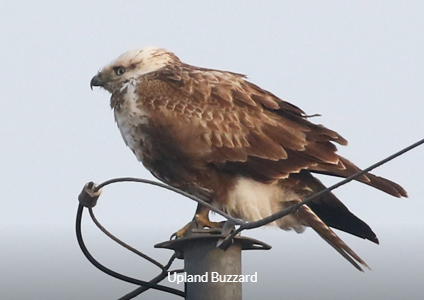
359	64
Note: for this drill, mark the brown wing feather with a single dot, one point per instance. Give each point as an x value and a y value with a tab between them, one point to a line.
243	128
349	169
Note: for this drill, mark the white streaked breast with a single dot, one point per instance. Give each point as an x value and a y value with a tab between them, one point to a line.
129	117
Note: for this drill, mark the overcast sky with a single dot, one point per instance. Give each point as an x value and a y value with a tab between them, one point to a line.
359	64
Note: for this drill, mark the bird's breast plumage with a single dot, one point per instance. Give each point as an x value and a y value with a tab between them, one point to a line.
131	116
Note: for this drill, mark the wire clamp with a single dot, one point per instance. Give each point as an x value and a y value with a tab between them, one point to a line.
89	195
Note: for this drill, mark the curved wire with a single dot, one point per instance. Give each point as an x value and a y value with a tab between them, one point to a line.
171	188
142	289
295	207
128	247
110	272
242	226
284	212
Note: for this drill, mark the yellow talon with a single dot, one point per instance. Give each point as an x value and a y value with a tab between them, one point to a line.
200	220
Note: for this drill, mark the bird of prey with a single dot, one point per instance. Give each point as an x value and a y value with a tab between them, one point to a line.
235	145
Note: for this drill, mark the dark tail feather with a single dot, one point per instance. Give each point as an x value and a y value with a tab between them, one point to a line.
334	213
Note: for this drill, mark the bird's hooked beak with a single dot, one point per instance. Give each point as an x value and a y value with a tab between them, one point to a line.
96	81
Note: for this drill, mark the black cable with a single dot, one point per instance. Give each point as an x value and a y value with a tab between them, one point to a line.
142	289
295	207
171	188
128	247
273	217
242	225
157	279
113	273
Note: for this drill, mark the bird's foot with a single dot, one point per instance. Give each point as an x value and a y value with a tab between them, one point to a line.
199	222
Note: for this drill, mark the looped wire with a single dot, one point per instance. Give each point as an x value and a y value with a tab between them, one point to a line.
91	192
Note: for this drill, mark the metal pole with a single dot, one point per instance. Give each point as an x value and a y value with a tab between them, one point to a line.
206	266
202	257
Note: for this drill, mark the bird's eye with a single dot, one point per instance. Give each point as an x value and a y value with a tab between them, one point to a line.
119	70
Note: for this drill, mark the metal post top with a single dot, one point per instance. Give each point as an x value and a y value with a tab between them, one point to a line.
178	245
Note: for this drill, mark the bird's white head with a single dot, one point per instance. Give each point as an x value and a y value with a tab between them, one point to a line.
132	64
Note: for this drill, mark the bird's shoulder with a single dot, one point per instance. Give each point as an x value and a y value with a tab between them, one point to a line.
213	88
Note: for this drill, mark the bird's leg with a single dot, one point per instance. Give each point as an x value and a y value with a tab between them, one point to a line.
200	220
